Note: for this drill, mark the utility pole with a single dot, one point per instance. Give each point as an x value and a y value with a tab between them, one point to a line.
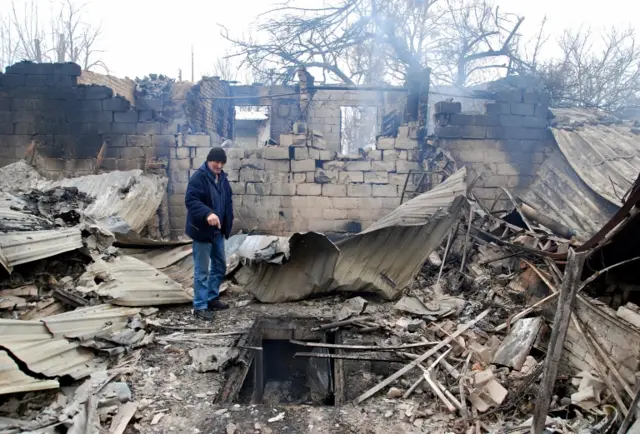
192	66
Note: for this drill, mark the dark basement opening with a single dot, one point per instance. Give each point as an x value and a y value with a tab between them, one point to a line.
272	372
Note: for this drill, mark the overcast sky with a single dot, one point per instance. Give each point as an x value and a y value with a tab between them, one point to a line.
144	36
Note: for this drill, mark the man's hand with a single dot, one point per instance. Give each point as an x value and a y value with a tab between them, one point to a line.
213	220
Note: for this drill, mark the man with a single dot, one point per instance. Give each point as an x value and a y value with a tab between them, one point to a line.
209	222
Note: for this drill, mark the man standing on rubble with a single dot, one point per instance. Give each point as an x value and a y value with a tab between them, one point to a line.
209	221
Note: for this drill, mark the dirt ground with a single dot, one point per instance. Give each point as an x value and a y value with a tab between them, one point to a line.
165	383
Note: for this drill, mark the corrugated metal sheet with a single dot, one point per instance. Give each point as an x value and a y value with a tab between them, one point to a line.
386	256
382	259
43	354
559	193
89	321
133	196
23	247
602	150
131	282
13	380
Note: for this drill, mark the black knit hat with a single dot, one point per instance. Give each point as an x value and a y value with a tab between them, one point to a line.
217	154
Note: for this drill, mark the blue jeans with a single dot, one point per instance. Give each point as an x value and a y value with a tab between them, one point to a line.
209	269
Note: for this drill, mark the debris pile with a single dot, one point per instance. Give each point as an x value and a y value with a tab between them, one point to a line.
153	86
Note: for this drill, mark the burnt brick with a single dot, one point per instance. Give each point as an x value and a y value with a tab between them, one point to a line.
116	140
510	121
522	109
117	104
515	96
25	128
533	122
6	117
494	108
473	132
148	128
97	92
6	128
129	116
461	119
449	132
496	133
98	128
145	115
447	107
27	104
13	80
92	116
122	128
89	105
5	104
526	133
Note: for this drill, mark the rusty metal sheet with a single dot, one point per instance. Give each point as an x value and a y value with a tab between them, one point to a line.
559	193
382	259
127	281
603	151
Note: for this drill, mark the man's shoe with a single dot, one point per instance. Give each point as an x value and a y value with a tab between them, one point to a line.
206	315
217	305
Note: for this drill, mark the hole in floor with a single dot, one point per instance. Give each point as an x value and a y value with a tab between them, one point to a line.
276	369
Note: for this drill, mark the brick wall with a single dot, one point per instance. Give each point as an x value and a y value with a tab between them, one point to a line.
506	144
297	187
208	114
121	86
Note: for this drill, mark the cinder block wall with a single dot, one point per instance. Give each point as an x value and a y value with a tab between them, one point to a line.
296	187
507	144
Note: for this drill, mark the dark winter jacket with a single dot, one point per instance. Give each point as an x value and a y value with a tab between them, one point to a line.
204	197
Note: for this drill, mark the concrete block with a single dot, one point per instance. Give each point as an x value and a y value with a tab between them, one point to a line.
347	203
277	177
149	128
495	108
496	133
117	104
178	187
334	190
523	109
449	131
373	154
385	143
321	226
163	141
473	132
385	190
299	140
350	177
286	140
276	153
334	214
359	190
252	175
447	107
321	176
252	163
303	165
512	96
309	189
258	188
406	166
232	153
326	155
526	133
199	140
334	165
534	122
138	140
301	153
238	188
542	111
232	175
397	178
383	166
277	165
391	155
128	116
179	175
175	164
301	177
282	189
358	166
511	120
370	203
403	132
406	143
376	177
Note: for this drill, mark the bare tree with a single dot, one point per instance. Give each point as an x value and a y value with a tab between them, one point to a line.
67	38
363	41
597	70
223	67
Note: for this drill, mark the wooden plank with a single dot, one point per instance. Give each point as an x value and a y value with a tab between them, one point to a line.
340	386
369	393
561	321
